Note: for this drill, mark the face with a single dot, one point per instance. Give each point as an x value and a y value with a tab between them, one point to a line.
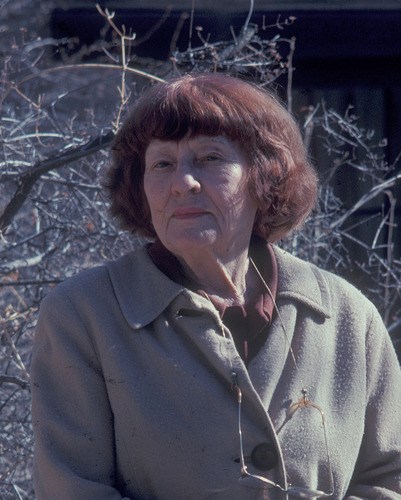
197	192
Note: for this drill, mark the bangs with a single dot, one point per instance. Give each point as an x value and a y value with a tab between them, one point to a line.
191	109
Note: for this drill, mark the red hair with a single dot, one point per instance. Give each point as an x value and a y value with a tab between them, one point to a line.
281	179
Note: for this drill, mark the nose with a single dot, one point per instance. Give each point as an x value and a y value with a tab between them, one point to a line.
185	180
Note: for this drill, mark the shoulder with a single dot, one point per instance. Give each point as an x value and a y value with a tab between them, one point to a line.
93	284
85	283
131	285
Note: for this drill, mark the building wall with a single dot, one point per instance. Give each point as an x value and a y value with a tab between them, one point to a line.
243	5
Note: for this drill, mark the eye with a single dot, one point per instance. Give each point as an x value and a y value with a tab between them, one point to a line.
210	158
161	165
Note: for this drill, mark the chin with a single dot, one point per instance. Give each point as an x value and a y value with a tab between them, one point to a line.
184	241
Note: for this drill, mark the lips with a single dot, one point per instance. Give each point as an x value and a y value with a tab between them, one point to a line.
188	212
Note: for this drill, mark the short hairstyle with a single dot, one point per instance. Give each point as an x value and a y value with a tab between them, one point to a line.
281	179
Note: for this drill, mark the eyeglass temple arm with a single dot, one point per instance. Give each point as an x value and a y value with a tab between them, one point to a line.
235	387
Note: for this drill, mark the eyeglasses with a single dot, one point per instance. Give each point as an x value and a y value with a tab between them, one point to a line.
259	482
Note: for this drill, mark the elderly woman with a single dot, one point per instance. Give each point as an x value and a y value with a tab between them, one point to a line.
209	363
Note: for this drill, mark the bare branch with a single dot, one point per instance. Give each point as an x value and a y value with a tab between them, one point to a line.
26	262
28	180
375	191
9	379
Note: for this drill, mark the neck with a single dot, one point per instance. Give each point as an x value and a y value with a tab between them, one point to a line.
229	280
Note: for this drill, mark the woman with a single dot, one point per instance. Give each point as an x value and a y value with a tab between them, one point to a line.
210	363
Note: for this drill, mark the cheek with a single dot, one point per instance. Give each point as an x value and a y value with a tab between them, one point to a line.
157	198
240	193
151	193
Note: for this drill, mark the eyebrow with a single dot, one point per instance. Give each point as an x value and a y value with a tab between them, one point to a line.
212	138
160	147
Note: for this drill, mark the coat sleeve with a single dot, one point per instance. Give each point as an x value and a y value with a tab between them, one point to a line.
378	471
72	419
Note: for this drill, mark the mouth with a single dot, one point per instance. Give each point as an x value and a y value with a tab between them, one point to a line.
188	213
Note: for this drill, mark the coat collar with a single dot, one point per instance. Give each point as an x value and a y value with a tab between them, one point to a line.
303	282
143	291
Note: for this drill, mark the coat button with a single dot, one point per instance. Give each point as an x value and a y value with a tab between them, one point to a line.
264	456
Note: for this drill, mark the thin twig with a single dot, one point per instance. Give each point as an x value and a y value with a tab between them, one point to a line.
390	254
30	283
249	16
65	67
290	68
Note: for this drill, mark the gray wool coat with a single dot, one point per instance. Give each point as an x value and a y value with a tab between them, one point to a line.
132	396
